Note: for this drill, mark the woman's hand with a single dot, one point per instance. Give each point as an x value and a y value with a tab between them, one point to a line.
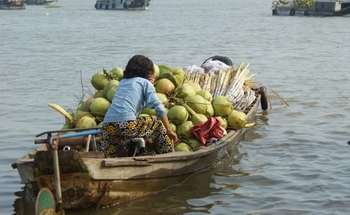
172	135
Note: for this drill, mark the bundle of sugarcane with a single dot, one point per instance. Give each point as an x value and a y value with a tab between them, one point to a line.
200	78
240	91
207	82
216	83
227	78
248	98
236	85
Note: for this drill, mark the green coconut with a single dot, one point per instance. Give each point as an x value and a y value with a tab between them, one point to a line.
163	68
195	86
111	84
175	75
179	76
163	99
99	94
182	147
198	119
164	86
222	106
82	106
110	93
177	114
67	125
194	144
117	73
99	106
238	120
172	127
198	104
79	114
87	103
184	130
86	122
223	121
185	90
205	94
149	111
99	80
167	75
210	111
156	70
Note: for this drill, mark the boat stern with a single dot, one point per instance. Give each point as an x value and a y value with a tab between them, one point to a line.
25	168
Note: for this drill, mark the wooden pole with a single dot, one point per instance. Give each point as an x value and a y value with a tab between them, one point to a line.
56	167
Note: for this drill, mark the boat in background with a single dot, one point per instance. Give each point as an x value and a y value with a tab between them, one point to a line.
53	4
122	4
310	8
39	2
11	4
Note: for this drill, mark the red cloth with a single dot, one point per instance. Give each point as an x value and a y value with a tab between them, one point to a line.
209	129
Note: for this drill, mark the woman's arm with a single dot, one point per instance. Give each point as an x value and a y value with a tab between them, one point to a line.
153	102
170	132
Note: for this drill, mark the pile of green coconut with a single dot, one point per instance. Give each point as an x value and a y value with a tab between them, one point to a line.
186	103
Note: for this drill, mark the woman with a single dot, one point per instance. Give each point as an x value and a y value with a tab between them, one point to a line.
135	92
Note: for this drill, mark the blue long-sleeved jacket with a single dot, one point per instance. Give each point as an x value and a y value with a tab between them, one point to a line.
132	95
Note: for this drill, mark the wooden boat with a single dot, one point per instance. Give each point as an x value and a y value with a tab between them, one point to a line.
310	8
122	4
39	2
11	4
88	178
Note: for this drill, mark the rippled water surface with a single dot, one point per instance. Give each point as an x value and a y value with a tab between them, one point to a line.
296	161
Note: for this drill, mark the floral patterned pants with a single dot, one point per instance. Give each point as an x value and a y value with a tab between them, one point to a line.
146	127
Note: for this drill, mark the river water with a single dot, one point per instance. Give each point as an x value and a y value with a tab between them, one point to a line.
294	162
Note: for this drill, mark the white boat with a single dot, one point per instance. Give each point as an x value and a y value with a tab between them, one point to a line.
122	4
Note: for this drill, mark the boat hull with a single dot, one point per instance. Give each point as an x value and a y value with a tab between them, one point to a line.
12	5
319	8
39	2
88	179
122	4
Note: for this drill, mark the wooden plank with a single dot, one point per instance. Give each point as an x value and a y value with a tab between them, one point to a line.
116	163
92	154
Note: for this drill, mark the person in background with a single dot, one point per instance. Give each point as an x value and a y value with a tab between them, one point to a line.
135	92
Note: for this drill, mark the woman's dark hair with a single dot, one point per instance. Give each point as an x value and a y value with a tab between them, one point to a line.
139	66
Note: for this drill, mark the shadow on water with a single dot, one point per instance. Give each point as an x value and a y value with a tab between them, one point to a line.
172	200
24	203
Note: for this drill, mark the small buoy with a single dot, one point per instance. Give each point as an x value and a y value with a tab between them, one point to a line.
263	99
348	142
